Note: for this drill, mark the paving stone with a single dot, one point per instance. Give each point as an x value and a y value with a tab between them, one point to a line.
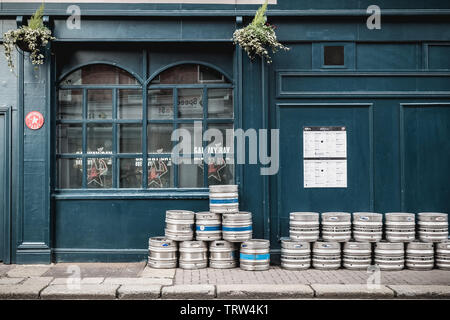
38	281
69	281
84	292
139	281
22	271
4	281
21	291
188	292
262	291
139	292
421	291
157	273
96	270
4	268
355	291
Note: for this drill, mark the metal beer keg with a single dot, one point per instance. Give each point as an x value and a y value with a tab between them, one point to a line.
390	256
400	227
326	255
367	226
208	226
357	255
433	226
420	256
254	255
224	199
443	255
304	226
222	254
193	255
162	253
336	226
295	255
237	227
179	225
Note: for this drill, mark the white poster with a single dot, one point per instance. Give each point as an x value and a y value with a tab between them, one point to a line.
324	157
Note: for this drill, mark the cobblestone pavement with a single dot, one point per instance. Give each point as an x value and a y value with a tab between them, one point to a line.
276	275
137	281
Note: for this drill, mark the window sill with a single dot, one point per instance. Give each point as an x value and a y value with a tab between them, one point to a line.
132	194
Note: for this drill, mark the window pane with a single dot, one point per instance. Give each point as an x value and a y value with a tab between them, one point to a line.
69	173
189	74
220	103
190	103
190	175
130	104
99	74
220	171
159	138
196	144
70	105
99	173
160	104
69	138
99	138
334	55
160	173
100	104
130	173
227	142
130	137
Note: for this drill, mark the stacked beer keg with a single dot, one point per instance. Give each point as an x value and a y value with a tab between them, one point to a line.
398	248
222	230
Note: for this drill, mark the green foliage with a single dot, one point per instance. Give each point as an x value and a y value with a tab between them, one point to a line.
35	36
258	36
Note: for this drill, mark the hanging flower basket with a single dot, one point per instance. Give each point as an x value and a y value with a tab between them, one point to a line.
258	37
31	38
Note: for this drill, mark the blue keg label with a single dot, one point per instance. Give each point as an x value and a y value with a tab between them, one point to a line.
237	229
265	256
333	218
364	218
223	201
208	228
165	244
298	246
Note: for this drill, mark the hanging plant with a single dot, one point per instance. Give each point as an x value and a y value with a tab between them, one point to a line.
258	37
31	38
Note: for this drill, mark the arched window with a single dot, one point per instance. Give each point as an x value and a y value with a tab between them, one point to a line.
111	134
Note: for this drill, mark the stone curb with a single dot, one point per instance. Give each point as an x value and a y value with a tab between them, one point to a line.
189	292
421	291
85	292
352	291
139	292
261	291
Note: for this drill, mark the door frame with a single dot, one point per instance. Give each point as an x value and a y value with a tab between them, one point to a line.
6	241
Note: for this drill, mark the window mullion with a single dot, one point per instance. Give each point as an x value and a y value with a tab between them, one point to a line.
175	117
115	169
84	140
204	143
145	139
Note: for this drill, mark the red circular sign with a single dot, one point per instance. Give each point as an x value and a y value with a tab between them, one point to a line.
34	120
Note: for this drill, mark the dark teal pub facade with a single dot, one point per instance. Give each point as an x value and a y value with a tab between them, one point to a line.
93	184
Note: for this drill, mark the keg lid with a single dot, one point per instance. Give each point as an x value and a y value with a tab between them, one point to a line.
357	245
389	245
433	216
256	244
419	245
222	244
295	244
443	245
193	244
180	214
367	216
242	215
205	215
400	216
223	188
330	245
161	240
336	216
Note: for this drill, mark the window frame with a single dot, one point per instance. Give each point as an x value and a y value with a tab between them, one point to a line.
144	86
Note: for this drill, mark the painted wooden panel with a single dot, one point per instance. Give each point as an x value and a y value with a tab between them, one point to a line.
425	128
376	56
439	56
3	186
291	194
